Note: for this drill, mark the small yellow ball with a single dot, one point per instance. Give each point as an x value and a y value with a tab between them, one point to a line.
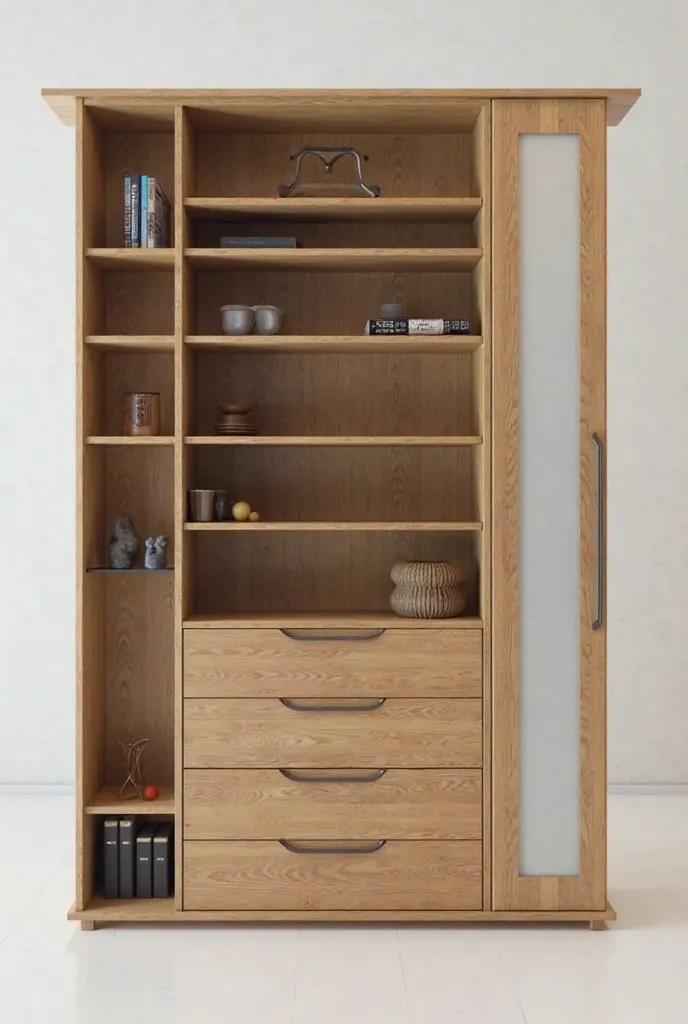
254	517
241	510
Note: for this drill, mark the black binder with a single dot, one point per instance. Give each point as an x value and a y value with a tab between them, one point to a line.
127	860
163	861
111	858
144	862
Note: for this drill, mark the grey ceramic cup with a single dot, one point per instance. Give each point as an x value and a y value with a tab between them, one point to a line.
201	504
237	319
268	319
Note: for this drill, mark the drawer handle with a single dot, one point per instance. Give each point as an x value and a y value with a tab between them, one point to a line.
315	638
339	706
368	777
292	848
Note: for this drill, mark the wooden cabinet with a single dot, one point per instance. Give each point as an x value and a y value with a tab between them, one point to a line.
322	758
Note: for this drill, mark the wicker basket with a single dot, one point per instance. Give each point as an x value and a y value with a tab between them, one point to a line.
427	590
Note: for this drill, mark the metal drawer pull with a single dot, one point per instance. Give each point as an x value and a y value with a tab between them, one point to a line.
371	706
369	777
599	613
336	849
349	638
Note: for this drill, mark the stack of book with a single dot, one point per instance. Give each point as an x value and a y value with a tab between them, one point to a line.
138	859
403	325
146	213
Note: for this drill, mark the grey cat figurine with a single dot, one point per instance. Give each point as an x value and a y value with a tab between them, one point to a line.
124	543
156	552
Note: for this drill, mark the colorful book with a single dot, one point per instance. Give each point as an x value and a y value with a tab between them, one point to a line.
421	326
127	211
127	859
136	211
144	211
163	861
111	858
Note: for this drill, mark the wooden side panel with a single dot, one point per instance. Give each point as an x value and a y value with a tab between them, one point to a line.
408	876
431	803
511	890
402	733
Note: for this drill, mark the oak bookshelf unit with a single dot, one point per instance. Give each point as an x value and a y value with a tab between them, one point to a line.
414	805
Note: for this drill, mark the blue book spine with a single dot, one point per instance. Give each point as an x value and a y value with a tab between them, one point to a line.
127	211
144	211
136	211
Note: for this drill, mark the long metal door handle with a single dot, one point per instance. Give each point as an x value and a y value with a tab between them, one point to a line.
372	705
368	777
599	451
349	638
293	848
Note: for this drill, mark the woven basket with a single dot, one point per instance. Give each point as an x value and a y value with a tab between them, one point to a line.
427	590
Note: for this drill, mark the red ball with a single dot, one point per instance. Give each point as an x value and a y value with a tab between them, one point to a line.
151	793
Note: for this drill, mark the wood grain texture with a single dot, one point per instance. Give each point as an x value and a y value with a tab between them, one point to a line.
131	441
402	875
131	343
334	571
136	304
325	620
330	525
269	663
312	302
400	209
334	441
432	803
131	260
333	260
139	692
108	801
343	236
402	733
294	109
588	889
339	395
137	152
341	344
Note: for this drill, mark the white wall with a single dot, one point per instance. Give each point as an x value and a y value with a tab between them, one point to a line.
365	44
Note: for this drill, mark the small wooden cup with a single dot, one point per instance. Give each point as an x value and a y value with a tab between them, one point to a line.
142	413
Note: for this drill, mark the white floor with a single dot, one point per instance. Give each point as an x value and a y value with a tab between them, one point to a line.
635	972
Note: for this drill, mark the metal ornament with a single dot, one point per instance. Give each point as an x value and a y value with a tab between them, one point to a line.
132	757
328	155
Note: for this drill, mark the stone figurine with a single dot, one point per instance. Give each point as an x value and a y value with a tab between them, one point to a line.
156	552
124	543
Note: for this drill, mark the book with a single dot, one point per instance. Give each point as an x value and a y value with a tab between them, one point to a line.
158	216
144	862
136	211
111	858
127	211
163	861
127	860
406	326
144	211
257	242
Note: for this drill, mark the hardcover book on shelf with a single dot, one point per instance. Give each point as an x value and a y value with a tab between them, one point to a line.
163	861
158	217
136	211
111	858
127	211
144	862
257	242
127	859
144	211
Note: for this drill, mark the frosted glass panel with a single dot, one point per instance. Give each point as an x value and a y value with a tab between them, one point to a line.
549	494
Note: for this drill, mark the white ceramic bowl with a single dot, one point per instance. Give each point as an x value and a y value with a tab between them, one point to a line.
268	320
237	319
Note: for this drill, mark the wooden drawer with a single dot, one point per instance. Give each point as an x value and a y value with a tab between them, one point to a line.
269	734
300	663
268	876
430	803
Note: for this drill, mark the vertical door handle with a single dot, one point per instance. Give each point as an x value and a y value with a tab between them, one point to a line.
599	477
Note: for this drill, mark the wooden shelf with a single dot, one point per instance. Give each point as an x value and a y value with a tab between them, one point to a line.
132	342
100	909
339	208
108	801
306	527
132	259
336	343
334	259
325	620
362	441
106	570
135	442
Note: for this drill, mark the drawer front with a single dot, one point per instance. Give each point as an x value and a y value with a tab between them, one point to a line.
318	663
430	803
394	734
270	876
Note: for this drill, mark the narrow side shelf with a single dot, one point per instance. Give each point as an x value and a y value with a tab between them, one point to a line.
107	570
132	259
337	344
132	342
108	801
135	442
305	527
335	259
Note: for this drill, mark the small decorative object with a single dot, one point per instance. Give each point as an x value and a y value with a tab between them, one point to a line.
124	543
329	156
253	517
142	413
427	590
221	506
132	758
235	420
241	510
201	505
151	793
156	552
237	319
268	320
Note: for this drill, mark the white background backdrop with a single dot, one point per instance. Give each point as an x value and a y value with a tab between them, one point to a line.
351	44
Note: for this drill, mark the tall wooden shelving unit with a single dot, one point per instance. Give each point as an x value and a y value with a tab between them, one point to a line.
370	450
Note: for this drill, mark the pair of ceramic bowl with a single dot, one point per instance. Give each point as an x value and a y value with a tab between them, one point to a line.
251	319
